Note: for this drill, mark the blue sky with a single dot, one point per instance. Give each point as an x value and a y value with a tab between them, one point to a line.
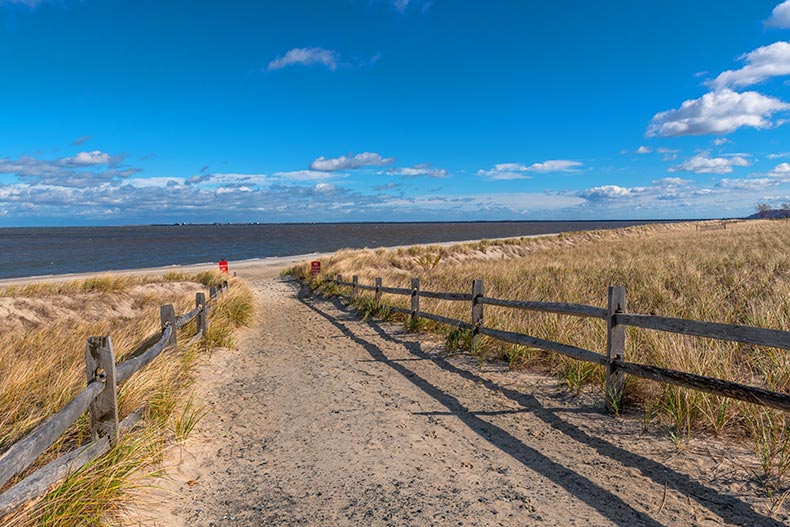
144	111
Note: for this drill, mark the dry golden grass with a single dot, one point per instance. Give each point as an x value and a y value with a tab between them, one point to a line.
42	367
740	275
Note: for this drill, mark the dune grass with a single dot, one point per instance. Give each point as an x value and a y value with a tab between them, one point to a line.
740	275
42	368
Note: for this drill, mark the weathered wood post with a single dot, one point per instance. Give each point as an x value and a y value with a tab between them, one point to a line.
167	316
478	291
378	290
415	298
224	286
354	286
212	291
339	279
615	349
100	366
200	320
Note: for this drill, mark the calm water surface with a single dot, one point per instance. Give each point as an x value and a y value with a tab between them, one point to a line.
46	250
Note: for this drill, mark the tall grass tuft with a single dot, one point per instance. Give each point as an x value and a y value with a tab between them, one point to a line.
43	367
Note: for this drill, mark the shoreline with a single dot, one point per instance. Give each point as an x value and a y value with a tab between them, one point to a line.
253	267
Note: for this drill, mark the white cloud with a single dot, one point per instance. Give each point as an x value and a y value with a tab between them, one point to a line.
423	169
508	171
94	157
350	161
761	64
644	150
721	141
780	16
303	175
155	182
719	112
607	192
306	57
703	164
780	170
325	187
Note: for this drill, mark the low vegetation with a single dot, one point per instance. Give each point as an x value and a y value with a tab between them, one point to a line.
42	367
739	275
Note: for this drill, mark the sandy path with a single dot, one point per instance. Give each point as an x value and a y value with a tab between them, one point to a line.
319	418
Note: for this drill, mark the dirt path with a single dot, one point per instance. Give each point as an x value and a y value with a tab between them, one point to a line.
319	418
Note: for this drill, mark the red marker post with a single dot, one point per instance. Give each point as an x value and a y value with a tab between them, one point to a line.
223	266
315	268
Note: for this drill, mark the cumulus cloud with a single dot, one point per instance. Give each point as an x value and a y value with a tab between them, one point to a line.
644	150
761	64
507	171
306	57
94	157
780	16
719	112
703	164
780	170
350	162
670	191
423	169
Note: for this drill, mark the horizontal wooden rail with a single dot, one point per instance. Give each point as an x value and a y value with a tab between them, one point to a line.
444	320
100	398
186	318
578	310
748	334
617	318
24	452
534	342
396	290
127	368
37	483
464	297
733	390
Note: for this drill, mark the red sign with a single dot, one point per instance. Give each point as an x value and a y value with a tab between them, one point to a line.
223	266
315	268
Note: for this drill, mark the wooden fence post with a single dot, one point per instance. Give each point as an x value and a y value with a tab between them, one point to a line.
415	297
355	288
615	349
478	290
378	290
100	366
200	301
224	286
212	291
339	279
167	315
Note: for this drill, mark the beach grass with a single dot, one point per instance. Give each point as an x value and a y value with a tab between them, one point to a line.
42	367
738	275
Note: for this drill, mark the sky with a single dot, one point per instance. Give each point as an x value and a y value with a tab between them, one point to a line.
147	111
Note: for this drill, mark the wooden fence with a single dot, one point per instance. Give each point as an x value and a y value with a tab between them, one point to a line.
617	318
100	396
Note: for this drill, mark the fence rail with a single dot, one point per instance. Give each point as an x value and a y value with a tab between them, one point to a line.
100	397
617	318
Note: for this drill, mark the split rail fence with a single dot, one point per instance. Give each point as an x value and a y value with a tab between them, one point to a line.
617	318
100	396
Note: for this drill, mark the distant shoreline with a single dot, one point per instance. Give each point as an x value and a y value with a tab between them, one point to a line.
267	266
39	254
286	223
